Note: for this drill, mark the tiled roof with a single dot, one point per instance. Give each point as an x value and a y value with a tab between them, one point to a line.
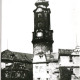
8	55
65	52
11	56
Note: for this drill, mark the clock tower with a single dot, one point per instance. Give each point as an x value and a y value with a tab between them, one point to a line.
42	40
42	35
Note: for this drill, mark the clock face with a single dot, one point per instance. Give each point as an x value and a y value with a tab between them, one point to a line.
39	34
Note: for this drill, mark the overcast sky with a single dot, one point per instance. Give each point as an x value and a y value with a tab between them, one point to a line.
18	24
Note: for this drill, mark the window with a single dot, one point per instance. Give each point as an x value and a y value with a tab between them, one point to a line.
38	78
39	15
71	70
22	75
6	75
47	64
45	14
70	59
47	79
36	67
40	24
47	71
18	74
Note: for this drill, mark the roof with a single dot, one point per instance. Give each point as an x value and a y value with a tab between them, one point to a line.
65	52
51	58
9	56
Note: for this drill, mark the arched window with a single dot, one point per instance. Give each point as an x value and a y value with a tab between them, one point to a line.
40	25
39	15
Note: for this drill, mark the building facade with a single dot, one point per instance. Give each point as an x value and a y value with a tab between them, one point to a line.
16	66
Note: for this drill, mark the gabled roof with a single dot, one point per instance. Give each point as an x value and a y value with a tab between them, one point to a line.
9	56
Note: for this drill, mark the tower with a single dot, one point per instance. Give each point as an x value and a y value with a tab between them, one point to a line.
42	40
42	35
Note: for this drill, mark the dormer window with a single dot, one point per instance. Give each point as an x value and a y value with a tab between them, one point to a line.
47	71
40	55
12	56
45	14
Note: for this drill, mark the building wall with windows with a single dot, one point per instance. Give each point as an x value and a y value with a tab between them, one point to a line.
15	65
70	59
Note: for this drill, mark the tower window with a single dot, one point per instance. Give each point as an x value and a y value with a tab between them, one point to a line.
39	15
45	14
40	24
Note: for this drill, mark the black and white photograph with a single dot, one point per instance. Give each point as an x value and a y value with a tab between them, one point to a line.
40	40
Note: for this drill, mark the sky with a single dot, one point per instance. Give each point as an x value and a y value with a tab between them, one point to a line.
18	24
